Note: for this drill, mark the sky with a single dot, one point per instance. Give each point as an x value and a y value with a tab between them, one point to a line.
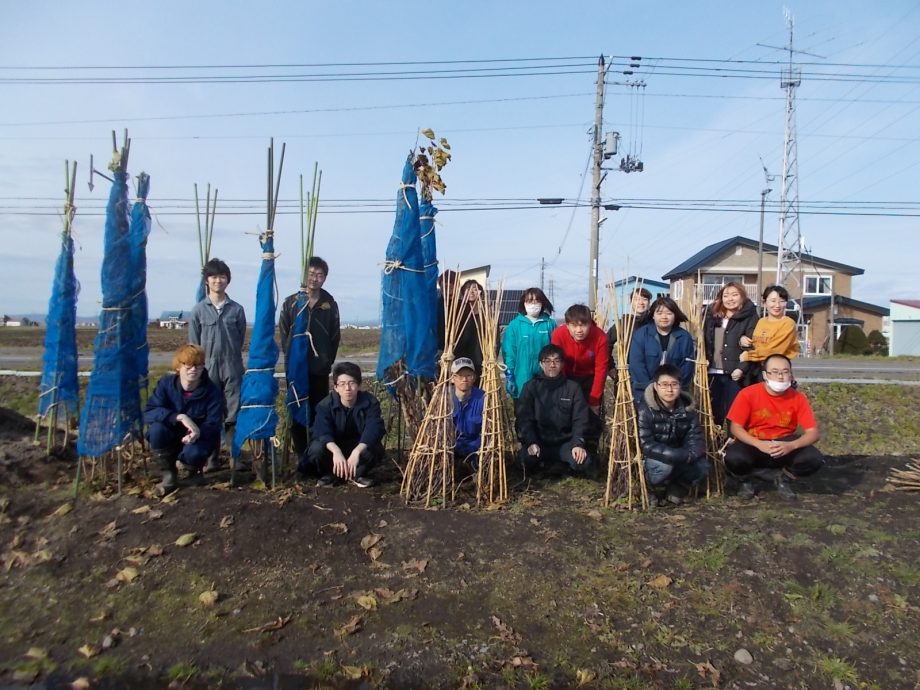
71	73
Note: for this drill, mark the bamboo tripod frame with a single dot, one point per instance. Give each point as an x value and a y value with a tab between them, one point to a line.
492	476
625	469
429	474
713	434
907	479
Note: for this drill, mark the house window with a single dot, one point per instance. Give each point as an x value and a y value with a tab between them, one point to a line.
818	285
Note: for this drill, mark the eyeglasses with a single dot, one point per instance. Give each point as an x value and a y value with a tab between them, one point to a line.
552	361
785	373
668	386
347	384
465	375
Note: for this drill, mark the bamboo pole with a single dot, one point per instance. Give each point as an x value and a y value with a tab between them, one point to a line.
907	479
492	477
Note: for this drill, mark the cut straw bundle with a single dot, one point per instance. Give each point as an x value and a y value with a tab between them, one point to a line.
492	477
625	471
713	434
429	472
907	479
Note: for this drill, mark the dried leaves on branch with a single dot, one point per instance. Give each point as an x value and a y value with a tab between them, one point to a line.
428	162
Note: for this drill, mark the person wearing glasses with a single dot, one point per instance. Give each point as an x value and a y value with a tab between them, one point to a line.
763	421
670	438
468	402
184	416
323	332
348	432
552	419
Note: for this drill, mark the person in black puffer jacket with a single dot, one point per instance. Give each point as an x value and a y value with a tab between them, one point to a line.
671	438
552	418
730	317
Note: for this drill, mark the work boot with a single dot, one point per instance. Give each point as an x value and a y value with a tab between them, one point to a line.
166	461
675	494
784	490
746	491
196	477
656	497
213	463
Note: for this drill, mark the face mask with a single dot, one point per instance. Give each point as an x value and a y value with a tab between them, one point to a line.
533	310
778	386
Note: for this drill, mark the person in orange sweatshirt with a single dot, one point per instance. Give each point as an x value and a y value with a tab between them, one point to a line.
587	357
774	334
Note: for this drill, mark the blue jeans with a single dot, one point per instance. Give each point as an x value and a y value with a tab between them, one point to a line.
688	473
165	437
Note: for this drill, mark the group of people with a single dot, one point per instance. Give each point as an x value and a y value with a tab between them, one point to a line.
555	374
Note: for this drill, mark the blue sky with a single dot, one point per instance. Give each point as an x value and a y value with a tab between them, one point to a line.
701	138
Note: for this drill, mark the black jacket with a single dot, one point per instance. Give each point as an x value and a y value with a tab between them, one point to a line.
205	406
669	436
322	325
741	323
551	412
638	322
329	425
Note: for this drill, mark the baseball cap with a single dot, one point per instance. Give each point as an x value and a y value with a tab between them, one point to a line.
461	363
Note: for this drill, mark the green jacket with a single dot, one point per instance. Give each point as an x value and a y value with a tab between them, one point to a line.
521	344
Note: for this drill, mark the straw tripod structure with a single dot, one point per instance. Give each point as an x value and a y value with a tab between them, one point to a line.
492	475
907	479
429	472
625	470
713	434
63	370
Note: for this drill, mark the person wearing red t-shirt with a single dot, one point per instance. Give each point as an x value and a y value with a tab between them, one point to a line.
764	420
587	357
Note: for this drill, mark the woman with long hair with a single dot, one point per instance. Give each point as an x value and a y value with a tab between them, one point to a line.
468	343
729	318
528	333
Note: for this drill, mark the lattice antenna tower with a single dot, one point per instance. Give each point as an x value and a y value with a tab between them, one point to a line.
789	255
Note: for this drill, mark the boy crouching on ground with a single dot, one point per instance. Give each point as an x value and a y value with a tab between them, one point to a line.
184	417
671	438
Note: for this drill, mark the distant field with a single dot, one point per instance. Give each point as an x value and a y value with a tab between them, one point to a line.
167	340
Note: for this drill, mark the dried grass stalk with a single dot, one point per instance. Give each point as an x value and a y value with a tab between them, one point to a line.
492	477
907	479
625	470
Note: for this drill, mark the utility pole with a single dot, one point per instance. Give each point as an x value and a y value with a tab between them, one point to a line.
542	271
596	179
763	203
832	330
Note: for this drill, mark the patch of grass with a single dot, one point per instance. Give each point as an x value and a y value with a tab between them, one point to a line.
878	535
839	631
108	665
907	575
683	683
715	556
537	681
836	668
182	671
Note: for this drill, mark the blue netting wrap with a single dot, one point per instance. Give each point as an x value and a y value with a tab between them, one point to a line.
427	212
139	231
59	390
406	315
257	418
112	411
201	291
297	364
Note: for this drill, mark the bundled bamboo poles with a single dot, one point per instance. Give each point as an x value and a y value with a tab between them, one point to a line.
625	470
713	434
308	211
210	213
907	479
429	474
492	476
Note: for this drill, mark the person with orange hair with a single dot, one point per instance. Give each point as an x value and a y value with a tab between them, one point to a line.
184	416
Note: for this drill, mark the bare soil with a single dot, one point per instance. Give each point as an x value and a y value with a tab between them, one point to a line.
347	587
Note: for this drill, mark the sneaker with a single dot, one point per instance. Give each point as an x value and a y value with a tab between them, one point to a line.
325	481
784	490
746	491
364	482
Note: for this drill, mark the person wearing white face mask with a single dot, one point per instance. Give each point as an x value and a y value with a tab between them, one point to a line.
528	333
763	421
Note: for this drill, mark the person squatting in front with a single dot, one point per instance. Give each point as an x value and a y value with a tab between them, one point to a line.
468	402
670	438
552	419
348	432
184	417
763	421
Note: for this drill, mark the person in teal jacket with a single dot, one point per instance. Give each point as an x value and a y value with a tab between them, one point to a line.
527	334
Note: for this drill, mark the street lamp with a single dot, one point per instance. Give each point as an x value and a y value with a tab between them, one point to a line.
763	202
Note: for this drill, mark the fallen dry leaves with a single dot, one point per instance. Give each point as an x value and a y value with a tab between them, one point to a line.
660	582
276	624
351	627
187	539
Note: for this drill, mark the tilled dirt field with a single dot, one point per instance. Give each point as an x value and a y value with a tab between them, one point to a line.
345	587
